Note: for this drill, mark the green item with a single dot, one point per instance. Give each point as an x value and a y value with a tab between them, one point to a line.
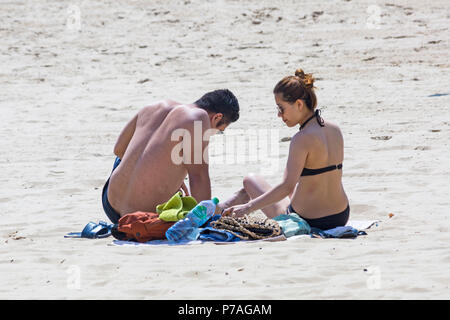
292	224
176	208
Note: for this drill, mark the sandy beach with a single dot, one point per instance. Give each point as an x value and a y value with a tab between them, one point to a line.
74	72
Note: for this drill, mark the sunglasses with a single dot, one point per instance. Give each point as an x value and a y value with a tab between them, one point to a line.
280	110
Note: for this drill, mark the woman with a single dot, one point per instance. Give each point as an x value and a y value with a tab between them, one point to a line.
313	174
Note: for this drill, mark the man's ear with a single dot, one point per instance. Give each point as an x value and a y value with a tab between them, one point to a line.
218	117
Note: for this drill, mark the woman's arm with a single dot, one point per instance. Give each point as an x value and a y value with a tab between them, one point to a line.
298	152
272	196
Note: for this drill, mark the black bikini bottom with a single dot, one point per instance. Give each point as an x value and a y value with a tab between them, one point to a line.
328	222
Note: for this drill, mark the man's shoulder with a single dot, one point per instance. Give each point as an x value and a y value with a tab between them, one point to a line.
188	113
161	104
162	107
180	115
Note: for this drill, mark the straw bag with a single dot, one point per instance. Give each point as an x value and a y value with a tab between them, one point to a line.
248	227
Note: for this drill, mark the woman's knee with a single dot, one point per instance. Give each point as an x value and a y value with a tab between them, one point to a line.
255	186
250	181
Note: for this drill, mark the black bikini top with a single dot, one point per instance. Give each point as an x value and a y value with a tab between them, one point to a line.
312	172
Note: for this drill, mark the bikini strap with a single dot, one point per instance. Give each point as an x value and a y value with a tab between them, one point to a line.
319	118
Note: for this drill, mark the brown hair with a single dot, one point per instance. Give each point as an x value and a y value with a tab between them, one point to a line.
300	86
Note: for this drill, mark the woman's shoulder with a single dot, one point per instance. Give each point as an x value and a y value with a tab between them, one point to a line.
331	124
310	138
302	138
327	127
333	134
333	127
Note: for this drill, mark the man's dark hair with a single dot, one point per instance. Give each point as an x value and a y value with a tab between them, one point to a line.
222	101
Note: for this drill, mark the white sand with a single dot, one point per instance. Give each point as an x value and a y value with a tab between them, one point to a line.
66	94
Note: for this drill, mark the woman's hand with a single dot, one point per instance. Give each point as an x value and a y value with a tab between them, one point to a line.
239	210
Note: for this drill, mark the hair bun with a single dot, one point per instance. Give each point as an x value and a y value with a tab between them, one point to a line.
306	78
299	73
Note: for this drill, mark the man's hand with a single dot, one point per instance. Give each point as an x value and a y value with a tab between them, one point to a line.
185	189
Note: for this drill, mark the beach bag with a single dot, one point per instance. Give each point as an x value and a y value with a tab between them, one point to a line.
141	227
248	227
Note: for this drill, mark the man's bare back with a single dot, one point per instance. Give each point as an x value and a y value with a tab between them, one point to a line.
161	145
147	176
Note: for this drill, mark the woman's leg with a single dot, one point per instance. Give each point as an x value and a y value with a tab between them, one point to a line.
256	186
238	197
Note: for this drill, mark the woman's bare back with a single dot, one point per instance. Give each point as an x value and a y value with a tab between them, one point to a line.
320	195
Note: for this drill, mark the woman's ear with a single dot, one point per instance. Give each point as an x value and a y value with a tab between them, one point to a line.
300	104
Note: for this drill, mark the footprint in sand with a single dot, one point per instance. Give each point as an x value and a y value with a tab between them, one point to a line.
381	138
193	274
422	148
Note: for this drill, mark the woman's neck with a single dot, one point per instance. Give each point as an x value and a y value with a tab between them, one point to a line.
306	118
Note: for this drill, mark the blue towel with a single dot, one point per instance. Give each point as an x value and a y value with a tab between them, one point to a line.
211	234
292	225
338	232
208	233
213	218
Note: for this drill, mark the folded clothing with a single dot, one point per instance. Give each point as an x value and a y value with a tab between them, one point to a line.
141	227
212	234
208	233
338	232
176	208
292	225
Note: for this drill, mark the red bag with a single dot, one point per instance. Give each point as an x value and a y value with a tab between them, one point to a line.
143	226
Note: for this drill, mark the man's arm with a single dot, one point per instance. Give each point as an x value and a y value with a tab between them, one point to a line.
200	184
125	137
185	189
197	164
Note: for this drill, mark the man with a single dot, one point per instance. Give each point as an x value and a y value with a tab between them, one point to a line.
148	170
